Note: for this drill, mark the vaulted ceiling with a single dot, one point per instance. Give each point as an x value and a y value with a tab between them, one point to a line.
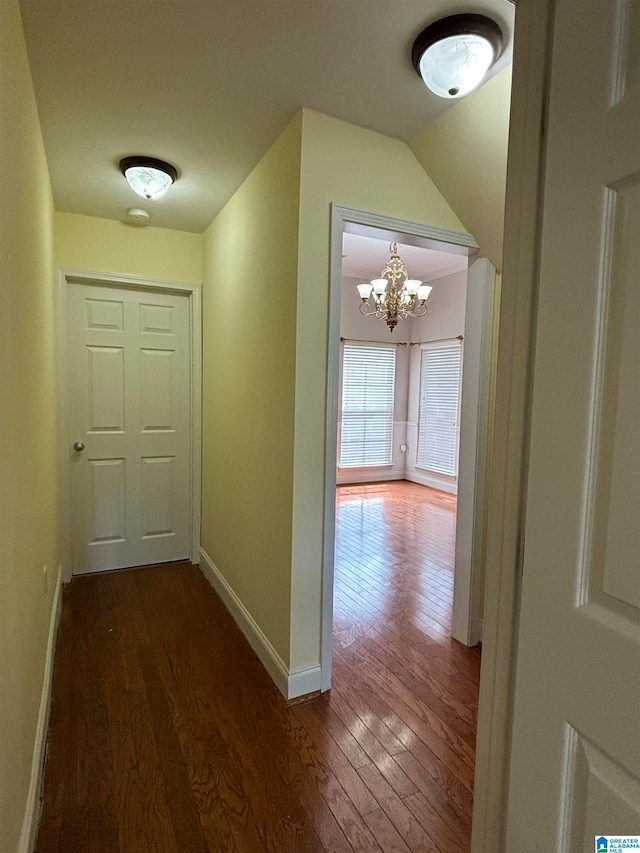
208	85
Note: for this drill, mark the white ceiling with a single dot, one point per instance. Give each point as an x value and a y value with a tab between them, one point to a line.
208	85
365	258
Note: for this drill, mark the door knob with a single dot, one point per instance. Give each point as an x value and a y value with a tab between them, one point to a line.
78	446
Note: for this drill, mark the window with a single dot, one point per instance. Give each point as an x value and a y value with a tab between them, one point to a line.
368	380
439	408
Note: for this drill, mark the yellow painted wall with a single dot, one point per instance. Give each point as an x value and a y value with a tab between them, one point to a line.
28	491
104	245
249	335
358	168
465	153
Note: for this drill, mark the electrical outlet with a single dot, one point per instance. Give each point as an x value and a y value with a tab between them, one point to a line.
45	578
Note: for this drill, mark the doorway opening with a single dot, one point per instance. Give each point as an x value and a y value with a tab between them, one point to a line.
405	453
398	443
467	304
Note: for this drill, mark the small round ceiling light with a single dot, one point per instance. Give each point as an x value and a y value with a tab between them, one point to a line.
148	177
453	55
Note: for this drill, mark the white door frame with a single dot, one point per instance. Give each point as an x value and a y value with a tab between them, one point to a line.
466	619
67	278
508	472
340	216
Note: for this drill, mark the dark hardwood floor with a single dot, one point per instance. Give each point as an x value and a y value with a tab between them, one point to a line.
167	735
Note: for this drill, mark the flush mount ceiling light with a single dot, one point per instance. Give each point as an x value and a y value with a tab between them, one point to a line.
454	54
148	177
394	296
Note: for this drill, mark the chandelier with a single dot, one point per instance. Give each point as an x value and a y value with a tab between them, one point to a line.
394	296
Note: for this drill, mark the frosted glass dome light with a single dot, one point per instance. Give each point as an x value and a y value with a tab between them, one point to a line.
455	66
148	182
454	55
148	177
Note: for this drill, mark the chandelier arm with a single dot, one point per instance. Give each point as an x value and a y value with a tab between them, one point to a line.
420	310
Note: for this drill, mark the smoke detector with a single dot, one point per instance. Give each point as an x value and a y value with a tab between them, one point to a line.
137	216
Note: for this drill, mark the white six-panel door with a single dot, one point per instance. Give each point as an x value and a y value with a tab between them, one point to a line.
575	763
129	417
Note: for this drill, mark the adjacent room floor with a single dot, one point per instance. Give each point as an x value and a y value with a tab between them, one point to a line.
167	734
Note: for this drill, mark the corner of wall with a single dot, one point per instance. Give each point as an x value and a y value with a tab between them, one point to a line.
249	399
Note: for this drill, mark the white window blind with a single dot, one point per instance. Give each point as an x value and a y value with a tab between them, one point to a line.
368	380
439	407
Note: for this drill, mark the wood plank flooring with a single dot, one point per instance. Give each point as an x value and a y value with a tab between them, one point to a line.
167	736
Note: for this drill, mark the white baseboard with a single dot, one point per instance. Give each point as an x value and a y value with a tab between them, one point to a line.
348	476
430	480
291	683
304	681
31	820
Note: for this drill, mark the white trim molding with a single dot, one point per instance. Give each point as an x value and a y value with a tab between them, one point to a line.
31	820
291	683
397	227
302	682
474	422
506	485
67	277
378	474
433	481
